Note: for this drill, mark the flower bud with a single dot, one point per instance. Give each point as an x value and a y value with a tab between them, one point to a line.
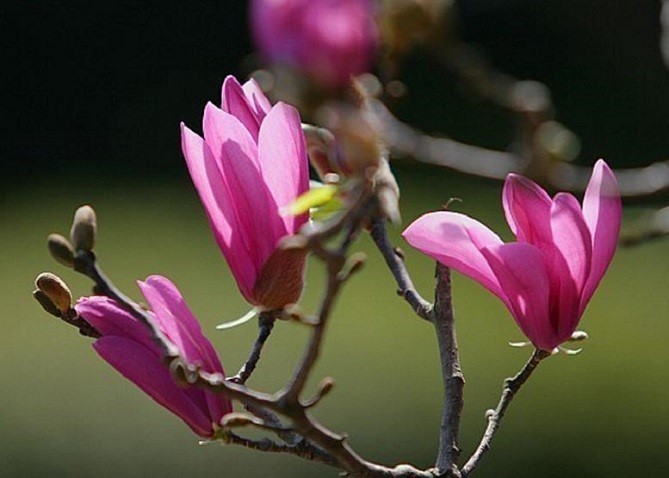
55	290
46	303
84	229
325	40
61	249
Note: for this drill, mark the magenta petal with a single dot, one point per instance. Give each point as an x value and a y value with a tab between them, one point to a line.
283	160
235	102
108	318
521	271
602	210
235	154
572	237
178	323
219	208
146	370
456	241
257	99
527	208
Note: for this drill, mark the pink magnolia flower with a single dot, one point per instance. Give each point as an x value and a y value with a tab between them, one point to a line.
126	345
547	277
328	39
252	162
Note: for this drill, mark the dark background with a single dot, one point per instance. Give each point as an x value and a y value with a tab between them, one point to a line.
92	96
100	87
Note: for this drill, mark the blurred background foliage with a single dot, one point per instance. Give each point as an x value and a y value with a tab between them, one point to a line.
92	95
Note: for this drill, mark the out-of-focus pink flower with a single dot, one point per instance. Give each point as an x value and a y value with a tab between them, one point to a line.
251	163
548	276
328	39
126	345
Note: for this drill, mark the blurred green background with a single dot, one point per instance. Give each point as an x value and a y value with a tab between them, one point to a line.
93	102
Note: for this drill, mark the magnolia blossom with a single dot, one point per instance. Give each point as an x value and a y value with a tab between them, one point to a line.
127	345
328	39
251	163
547	277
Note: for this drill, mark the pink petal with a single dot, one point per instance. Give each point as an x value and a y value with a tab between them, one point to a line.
572	237
108	318
456	241
521	271
602	210
146	370
183	329
527	208
235	102
257	99
235	154
283	160
178	323
220	209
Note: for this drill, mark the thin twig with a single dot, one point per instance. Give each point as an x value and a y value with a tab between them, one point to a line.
454	380
395	263
265	325
511	387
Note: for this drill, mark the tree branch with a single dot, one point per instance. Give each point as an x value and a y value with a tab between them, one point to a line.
318	442
511	387
454	380
395	262
265	325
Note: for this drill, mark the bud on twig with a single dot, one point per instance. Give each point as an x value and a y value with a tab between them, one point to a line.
55	290
61	249
46	303
84	229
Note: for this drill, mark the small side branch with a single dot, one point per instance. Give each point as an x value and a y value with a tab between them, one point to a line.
454	379
395	262
511	387
265	326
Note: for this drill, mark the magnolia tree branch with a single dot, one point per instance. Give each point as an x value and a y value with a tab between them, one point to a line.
511	387
305	437
395	261
265	325
454	380
441	315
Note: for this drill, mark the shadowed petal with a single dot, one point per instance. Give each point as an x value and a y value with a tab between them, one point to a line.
521	271
235	102
108	318
257	99
283	160
219	207
602	210
146	370
572	237
527	208
456	241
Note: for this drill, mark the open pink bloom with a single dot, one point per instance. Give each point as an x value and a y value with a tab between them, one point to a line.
126	345
251	163
328	39
548	276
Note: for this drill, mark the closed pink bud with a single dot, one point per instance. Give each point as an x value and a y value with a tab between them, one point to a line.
251	163
547	277
330	40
